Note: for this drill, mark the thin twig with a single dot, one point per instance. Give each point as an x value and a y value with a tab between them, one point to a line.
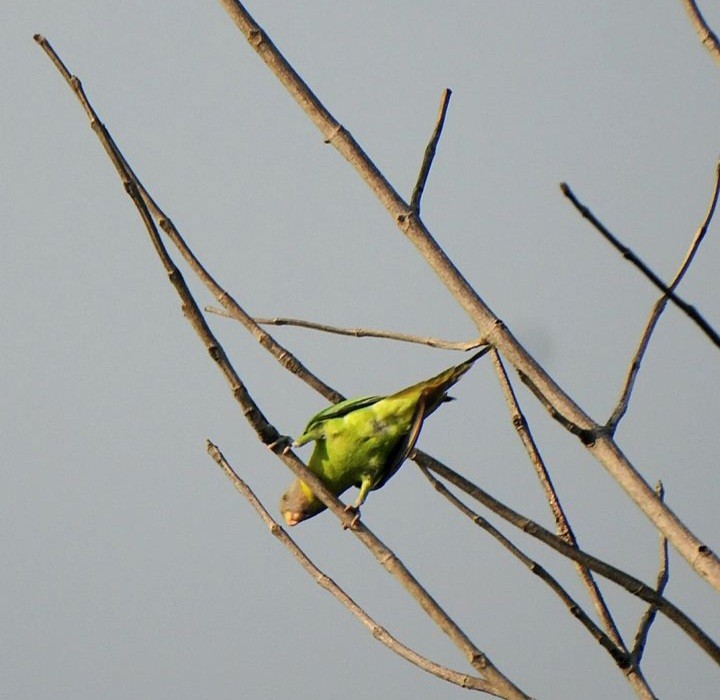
489	326
284	356
663	577
324	581
358	332
631	584
707	37
430	152
271	437
620	655
588	436
564	530
618	650
633	259
659	307
268	434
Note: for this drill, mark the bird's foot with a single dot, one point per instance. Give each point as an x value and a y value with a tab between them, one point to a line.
353	523
282	444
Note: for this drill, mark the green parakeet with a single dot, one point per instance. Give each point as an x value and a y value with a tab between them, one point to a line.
363	441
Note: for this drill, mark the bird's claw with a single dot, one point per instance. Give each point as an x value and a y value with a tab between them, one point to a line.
353	523
283	441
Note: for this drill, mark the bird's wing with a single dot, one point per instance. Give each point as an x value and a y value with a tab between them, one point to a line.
406	445
340	409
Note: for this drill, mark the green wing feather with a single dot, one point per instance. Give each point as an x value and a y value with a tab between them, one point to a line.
342	408
366	449
404	447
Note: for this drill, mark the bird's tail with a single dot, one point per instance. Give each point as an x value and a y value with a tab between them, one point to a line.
433	391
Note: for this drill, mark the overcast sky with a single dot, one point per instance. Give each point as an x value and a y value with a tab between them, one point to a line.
131	568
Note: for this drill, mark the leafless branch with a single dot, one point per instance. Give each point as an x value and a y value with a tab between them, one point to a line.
430	152
358	332
588	436
489	327
564	530
268	434
659	307
663	577
622	658
284	356
632	258
707	37
324	581
631	584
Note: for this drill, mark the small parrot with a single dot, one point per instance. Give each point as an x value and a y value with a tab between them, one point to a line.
363	441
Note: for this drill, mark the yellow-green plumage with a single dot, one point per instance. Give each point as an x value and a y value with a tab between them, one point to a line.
363	441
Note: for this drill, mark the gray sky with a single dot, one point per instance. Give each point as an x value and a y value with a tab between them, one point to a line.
132	568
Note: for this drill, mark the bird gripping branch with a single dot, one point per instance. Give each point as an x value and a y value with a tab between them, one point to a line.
363	441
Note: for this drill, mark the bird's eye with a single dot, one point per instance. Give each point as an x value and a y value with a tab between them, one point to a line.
284	497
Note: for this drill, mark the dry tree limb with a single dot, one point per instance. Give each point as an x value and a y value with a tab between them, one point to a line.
660	304
588	436
625	662
269	435
324	581
232	309
663	576
177	280
272	438
618	649
564	530
358	332
632	585
633	259
489	327
619	654
430	152
498	684
707	37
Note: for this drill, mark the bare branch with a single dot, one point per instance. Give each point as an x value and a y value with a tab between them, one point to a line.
284	356
663	577
268	434
659	307
618	652
324	581
588	436
563	526
632	258
504	338
707	37
620	655
358	332
631	584
489	327
430	152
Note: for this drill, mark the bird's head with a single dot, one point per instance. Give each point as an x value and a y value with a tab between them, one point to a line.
299	503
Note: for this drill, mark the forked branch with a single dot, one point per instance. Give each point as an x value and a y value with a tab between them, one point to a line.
659	307
564	530
323	580
497	683
643	267
489	327
631	584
